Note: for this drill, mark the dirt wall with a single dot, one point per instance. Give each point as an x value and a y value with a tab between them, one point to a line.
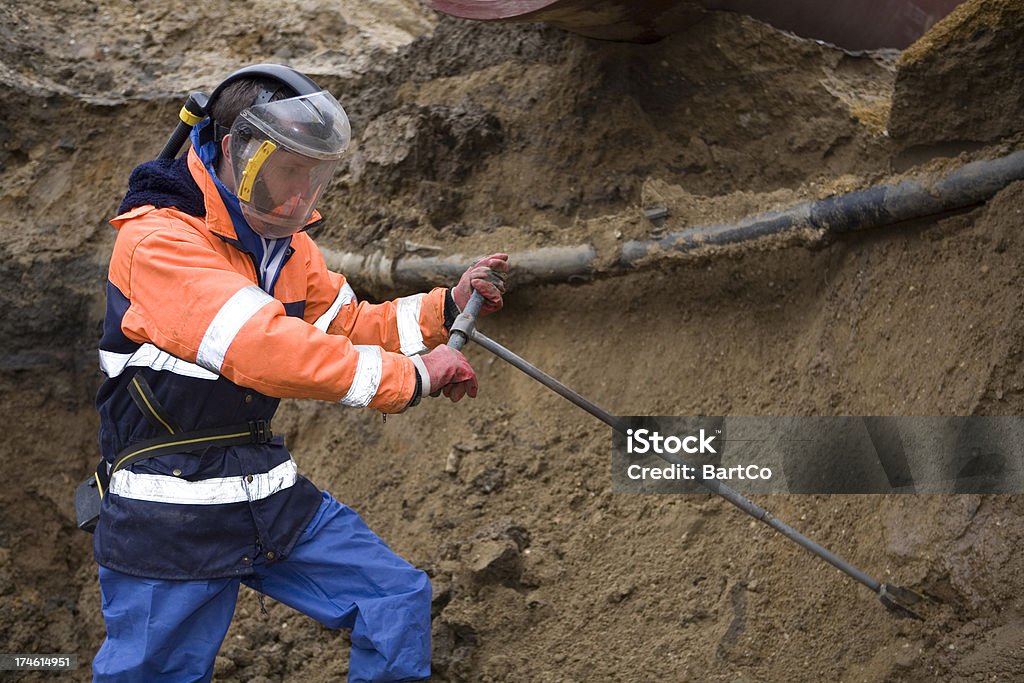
956	85
471	138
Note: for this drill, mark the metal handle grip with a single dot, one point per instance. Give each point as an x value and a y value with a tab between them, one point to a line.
464	325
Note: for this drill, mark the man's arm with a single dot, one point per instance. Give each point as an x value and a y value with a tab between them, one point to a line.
185	298
408	325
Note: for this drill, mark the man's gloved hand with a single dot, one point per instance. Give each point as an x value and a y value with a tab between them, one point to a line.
445	370
486	276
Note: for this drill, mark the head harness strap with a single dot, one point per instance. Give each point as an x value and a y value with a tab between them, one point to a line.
286	78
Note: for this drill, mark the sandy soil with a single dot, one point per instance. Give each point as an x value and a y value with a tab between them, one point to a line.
472	138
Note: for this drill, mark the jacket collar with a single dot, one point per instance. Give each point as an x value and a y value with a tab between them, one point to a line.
222	209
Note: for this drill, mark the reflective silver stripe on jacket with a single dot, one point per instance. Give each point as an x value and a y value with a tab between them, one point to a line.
159	488
409	334
149	356
367	378
226	324
344	296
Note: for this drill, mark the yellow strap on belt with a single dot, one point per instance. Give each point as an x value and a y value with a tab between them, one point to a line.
152	410
183	442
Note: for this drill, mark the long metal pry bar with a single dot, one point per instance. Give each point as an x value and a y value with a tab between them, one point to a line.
895	598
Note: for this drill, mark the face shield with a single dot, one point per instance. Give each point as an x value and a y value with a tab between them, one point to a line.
283	154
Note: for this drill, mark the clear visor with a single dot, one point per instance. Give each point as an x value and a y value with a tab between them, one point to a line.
283	154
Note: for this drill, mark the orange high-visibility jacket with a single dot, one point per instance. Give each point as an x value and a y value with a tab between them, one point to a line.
195	296
186	314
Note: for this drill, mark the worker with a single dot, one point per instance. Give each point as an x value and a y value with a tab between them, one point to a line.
219	304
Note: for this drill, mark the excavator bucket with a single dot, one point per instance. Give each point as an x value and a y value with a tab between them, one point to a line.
849	24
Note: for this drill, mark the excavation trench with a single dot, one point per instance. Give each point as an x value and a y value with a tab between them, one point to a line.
473	138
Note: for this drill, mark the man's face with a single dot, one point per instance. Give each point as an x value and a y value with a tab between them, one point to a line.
286	180
283	191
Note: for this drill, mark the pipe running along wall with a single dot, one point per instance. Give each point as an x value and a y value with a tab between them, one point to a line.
809	222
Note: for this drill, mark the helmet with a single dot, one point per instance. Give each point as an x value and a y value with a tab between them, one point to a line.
282	153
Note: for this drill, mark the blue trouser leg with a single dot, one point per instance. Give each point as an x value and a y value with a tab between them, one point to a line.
344	576
162	630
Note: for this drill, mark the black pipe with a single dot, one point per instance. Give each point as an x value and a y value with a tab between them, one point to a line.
874	207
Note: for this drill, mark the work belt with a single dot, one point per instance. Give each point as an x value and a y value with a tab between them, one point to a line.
87	502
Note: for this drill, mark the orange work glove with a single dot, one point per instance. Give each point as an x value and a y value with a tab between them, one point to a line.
486	276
